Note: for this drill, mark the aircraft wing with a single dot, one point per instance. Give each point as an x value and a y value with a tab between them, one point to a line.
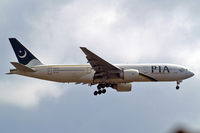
101	67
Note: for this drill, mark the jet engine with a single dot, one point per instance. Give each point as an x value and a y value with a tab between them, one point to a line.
130	75
123	87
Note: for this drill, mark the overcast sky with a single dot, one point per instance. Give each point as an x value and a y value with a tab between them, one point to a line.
120	31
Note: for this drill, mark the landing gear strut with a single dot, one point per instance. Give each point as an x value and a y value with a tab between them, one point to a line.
177	84
101	89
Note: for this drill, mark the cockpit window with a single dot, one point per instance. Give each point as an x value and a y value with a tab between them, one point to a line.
181	70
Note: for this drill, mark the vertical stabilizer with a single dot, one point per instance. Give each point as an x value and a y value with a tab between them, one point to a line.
23	55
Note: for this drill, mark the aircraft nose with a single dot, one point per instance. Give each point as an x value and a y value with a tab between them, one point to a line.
191	74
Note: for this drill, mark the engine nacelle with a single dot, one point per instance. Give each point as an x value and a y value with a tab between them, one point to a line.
123	87
130	75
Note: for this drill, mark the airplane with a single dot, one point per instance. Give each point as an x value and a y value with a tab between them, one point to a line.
98	72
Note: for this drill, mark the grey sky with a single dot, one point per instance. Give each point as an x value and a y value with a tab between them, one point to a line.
120	31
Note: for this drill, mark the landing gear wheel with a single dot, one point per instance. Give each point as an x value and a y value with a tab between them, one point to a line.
103	86
99	87
108	85
104	91
99	92
95	93
177	87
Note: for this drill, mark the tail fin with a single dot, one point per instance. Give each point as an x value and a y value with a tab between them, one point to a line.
23	55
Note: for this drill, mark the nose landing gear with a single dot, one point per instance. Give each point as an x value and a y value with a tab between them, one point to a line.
177	84
177	87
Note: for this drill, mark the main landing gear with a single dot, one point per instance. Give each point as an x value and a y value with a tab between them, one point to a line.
177	84
101	89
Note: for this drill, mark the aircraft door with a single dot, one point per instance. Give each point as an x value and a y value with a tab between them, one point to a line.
49	71
145	69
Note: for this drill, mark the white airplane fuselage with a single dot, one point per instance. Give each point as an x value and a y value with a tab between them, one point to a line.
99	72
85	73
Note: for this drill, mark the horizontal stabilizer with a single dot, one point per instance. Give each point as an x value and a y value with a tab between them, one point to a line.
21	67
8	73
